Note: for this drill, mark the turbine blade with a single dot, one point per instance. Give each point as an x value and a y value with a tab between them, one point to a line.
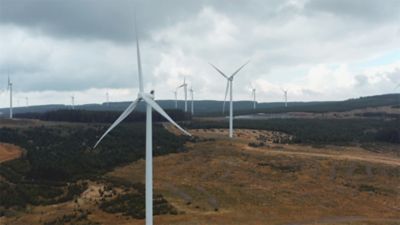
226	94
219	71
237	71
139	63
157	108
126	113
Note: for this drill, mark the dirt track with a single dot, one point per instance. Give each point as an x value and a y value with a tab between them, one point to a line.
336	155
351	153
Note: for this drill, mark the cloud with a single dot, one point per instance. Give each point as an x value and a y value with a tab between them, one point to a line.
319	50
365	10
89	19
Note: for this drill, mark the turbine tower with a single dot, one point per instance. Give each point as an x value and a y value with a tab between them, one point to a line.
253	93
107	99
176	98
72	102
285	96
9	87
229	87
184	85
150	104
191	94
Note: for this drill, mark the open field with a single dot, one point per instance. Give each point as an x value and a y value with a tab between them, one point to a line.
222	181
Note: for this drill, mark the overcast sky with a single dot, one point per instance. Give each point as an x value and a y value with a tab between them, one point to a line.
317	49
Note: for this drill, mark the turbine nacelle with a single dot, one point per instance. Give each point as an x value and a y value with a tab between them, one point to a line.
141	96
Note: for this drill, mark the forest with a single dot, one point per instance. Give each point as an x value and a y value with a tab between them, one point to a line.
88	116
59	157
320	131
244	108
214	108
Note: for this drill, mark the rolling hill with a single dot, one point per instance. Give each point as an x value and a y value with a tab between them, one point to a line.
214	108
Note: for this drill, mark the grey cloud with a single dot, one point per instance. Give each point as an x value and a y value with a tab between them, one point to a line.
310	92
361	80
113	20
278	36
367	10
394	76
88	19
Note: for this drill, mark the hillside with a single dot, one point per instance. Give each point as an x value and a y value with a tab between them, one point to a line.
218	181
214	108
223	182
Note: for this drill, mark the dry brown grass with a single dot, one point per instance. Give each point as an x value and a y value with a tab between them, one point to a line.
9	152
227	182
281	184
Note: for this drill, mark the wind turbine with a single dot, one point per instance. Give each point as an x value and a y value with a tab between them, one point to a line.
184	85
73	102
285	95
107	99
151	104
191	94
253	93
176	98
9	87
27	101
229	87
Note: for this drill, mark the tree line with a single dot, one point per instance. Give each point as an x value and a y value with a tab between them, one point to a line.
87	116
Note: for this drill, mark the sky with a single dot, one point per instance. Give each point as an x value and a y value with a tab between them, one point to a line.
316	49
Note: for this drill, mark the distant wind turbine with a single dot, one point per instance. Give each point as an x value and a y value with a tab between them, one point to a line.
184	86
191	94
253	93
151	104
107	98
27	101
73	102
229	87
176	98
285	96
9	87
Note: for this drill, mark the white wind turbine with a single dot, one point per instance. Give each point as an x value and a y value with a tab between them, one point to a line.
107	99
191	94
176	98
285	95
184	85
253	93
229	87
73	102
9	87
151	104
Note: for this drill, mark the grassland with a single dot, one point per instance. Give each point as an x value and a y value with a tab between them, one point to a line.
260	177
9	152
227	182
